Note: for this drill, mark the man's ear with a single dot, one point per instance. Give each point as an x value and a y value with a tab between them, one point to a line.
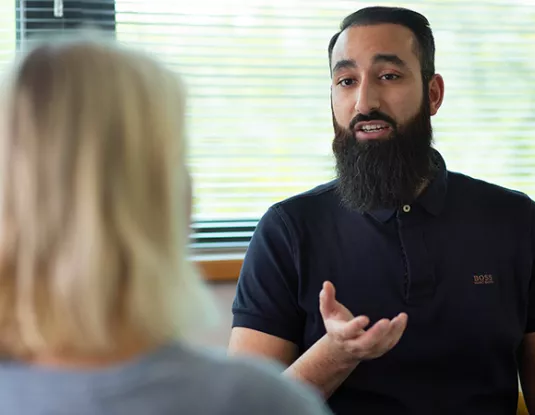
436	93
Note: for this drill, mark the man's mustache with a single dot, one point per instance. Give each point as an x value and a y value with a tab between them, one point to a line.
372	116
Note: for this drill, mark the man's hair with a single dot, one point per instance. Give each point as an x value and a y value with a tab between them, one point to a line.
415	22
94	202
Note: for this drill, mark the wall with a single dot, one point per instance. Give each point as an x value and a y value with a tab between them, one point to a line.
223	294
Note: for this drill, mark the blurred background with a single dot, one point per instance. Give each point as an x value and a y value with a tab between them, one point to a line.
259	120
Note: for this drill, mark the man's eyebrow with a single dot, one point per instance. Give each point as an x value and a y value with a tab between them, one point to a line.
344	64
389	58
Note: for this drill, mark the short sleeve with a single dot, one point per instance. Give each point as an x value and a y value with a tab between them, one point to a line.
267	291
530	324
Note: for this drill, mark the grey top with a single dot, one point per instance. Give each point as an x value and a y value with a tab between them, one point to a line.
171	381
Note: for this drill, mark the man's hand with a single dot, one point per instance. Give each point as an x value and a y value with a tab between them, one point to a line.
329	361
351	343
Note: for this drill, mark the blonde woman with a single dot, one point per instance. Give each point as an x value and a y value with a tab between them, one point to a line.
95	288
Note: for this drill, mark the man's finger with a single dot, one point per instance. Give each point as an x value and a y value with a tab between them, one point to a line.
382	336
327	300
330	308
375	334
398	326
347	330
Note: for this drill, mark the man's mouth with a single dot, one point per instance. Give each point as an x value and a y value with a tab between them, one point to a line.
372	130
373	127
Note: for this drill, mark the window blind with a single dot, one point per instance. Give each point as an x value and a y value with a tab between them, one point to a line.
38	18
259	120
8	32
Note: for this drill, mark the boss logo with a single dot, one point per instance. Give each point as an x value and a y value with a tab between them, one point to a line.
483	279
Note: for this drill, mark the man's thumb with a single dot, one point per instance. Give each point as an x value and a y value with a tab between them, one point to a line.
327	299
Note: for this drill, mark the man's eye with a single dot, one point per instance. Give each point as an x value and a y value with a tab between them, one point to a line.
389	77
346	82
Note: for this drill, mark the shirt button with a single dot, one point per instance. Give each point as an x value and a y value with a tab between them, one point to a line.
406	208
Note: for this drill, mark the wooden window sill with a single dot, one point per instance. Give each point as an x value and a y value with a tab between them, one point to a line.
220	270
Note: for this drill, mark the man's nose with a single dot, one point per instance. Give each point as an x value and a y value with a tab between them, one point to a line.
367	99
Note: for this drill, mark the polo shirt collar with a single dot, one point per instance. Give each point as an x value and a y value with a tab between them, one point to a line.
433	197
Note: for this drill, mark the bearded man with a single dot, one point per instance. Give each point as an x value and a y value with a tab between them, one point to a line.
434	311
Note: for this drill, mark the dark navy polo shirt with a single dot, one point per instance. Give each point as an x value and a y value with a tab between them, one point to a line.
459	261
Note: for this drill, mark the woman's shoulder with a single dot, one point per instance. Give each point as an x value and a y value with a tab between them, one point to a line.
249	384
175	378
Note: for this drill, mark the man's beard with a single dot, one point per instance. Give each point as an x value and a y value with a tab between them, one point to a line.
384	173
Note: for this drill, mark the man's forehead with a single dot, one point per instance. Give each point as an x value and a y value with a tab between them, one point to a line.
363	42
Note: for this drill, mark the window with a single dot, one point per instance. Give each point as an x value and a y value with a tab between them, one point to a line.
259	119
8	32
36	18
259	116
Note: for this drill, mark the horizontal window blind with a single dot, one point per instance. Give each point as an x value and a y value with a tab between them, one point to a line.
259	115
259	120
39	18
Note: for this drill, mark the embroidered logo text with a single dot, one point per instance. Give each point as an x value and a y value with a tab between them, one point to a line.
483	279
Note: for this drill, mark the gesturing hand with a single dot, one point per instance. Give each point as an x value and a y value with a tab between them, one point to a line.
348	335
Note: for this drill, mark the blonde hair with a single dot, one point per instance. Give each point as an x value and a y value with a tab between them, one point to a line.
94	201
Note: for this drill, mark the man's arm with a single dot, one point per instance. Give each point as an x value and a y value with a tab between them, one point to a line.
527	371
317	366
332	358
266	393
268	320
253	342
526	367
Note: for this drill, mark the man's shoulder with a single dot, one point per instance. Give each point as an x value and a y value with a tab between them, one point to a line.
475	190
319	198
308	209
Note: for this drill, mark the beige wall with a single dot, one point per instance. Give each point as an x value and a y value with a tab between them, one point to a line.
218	336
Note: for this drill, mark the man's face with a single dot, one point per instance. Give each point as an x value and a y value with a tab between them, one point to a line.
381	116
375	69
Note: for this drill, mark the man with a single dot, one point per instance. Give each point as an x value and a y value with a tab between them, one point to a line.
434	311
